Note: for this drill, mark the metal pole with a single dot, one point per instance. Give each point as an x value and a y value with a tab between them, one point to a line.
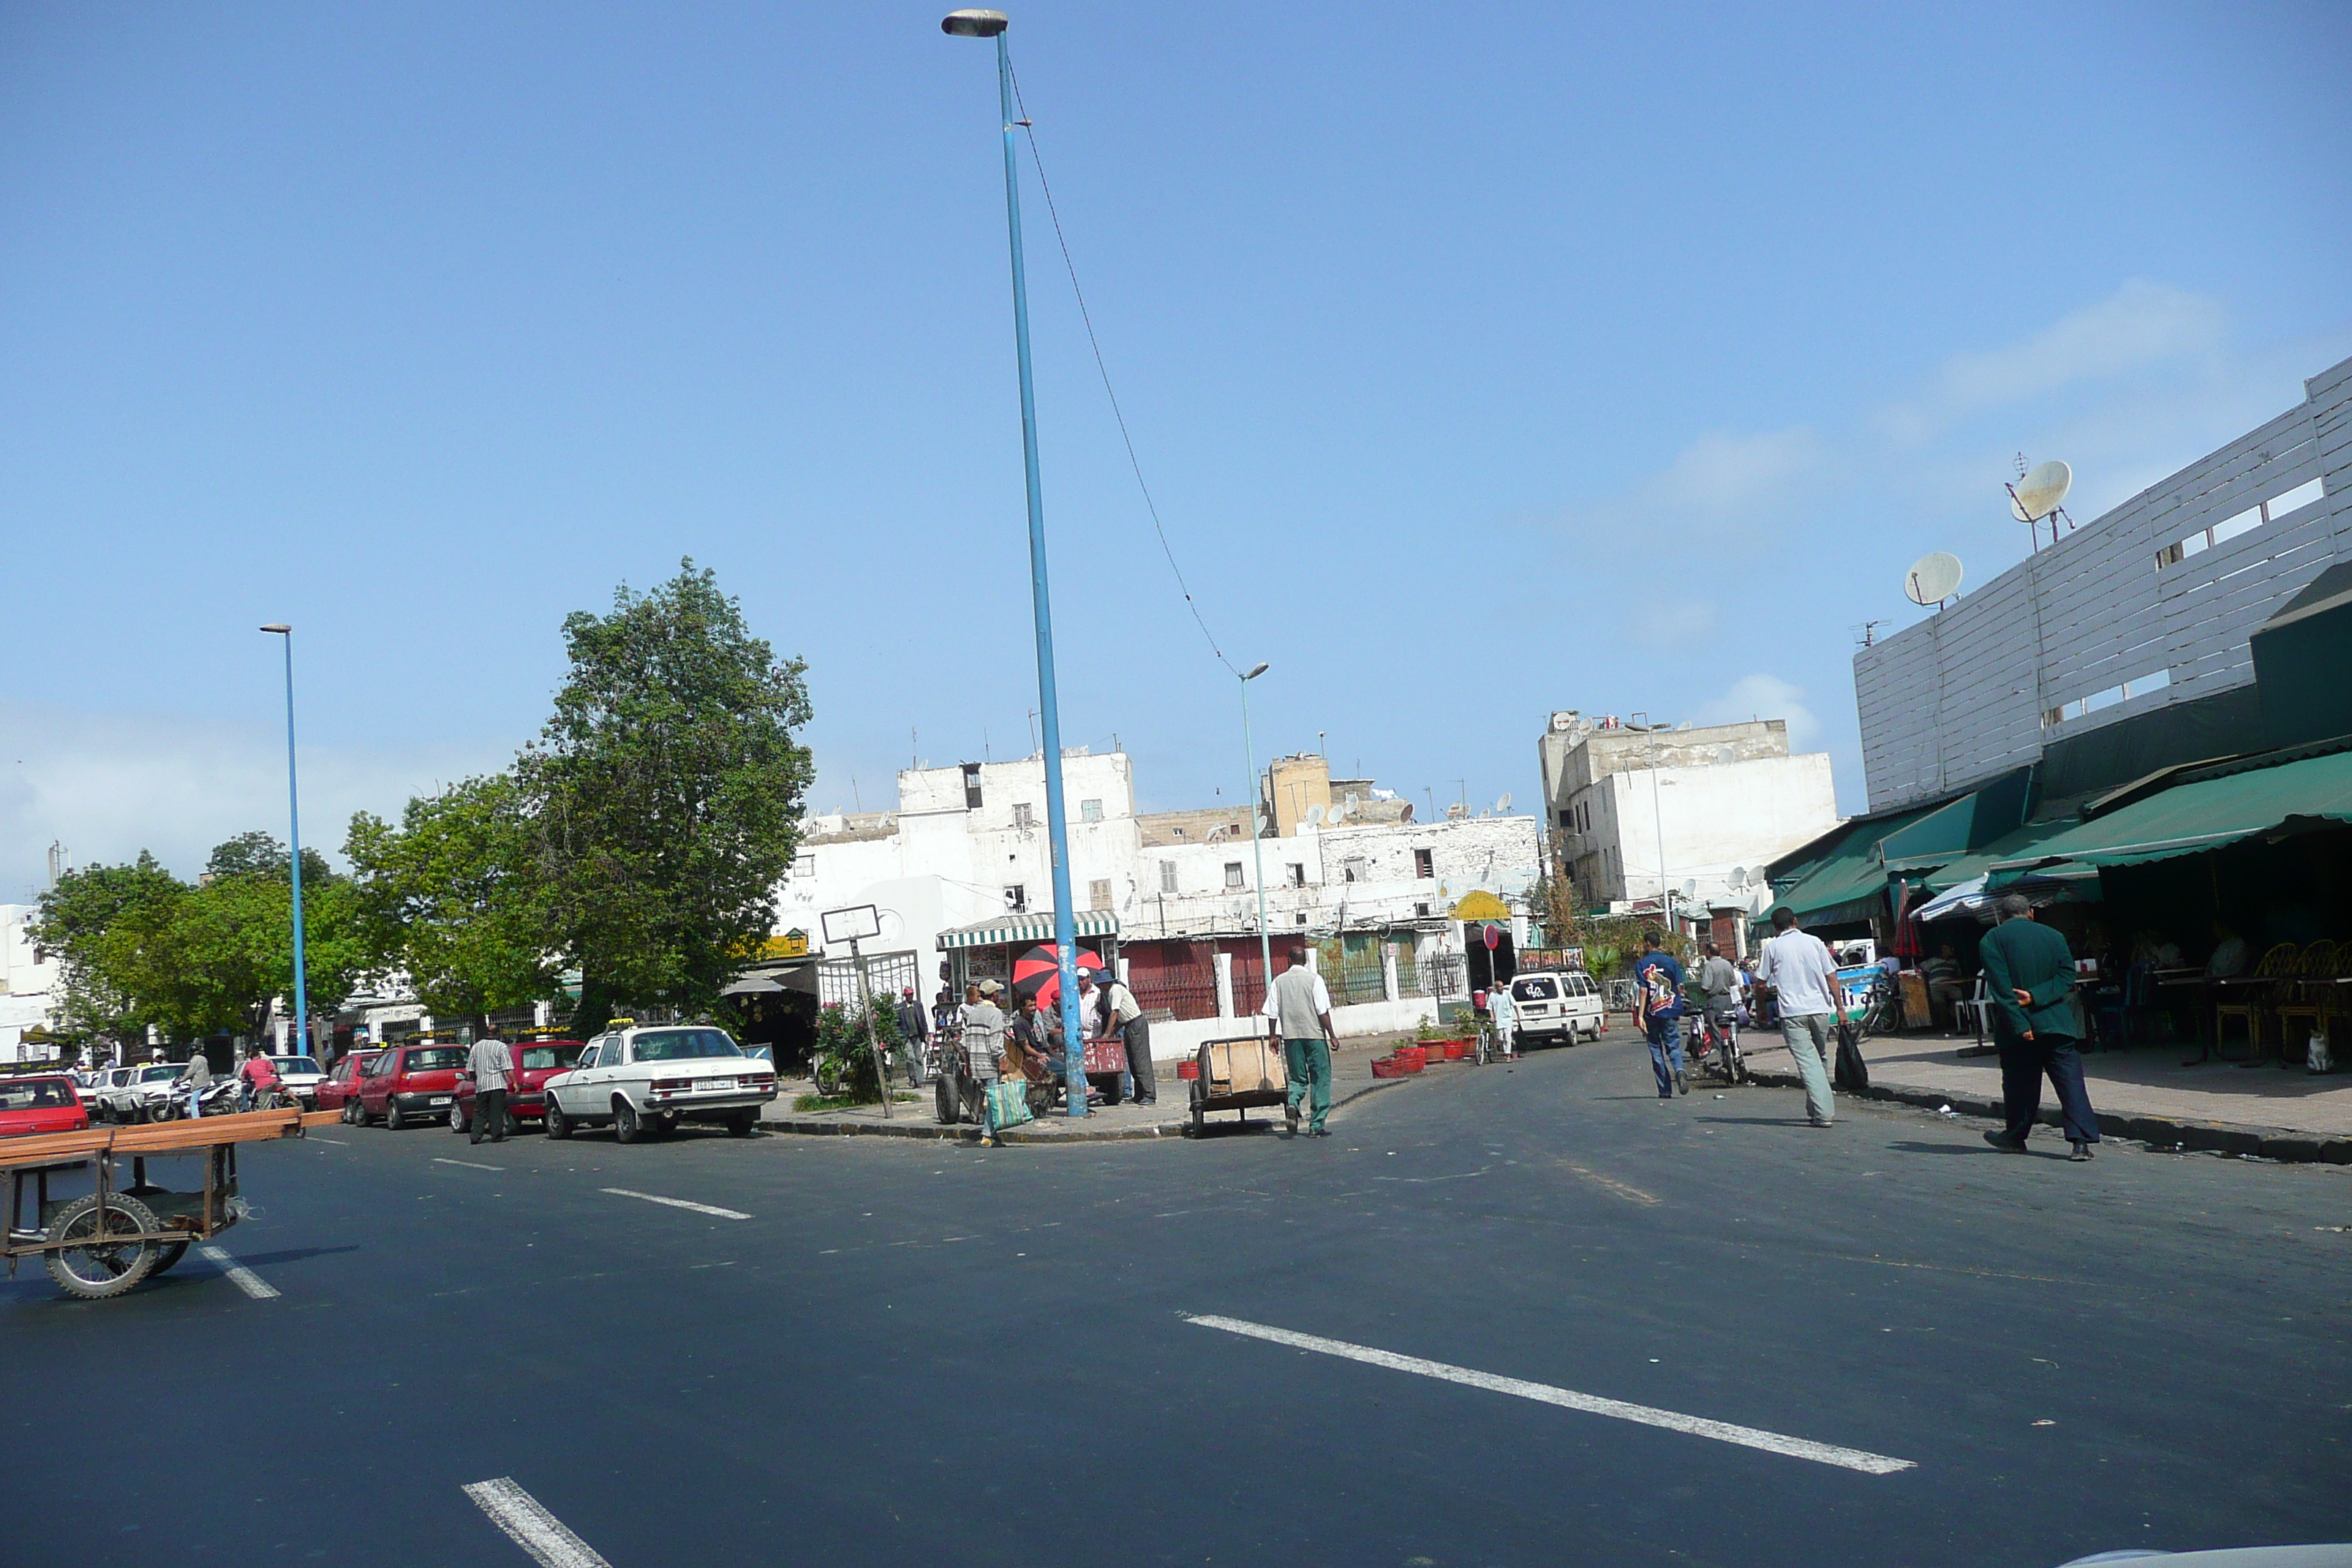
1065	936
1257	853
294	832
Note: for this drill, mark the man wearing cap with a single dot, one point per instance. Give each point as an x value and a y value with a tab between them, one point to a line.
1118	1016
2029	975
1299	1004
984	1042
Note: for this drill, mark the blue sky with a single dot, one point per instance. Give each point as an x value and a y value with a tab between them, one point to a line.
1485	361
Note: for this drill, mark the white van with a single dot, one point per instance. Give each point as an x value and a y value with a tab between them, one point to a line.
1559	1006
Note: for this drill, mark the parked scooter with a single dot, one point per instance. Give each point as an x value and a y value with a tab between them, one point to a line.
219	1099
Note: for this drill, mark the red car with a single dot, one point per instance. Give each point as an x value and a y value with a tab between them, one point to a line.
535	1062
45	1104
406	1085
340	1087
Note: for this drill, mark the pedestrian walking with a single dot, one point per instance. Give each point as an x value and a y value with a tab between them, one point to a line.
1504	1017
489	1062
1122	1016
198	1076
982	1043
2030	975
1658	1004
1804	976
914	1023
1300	1003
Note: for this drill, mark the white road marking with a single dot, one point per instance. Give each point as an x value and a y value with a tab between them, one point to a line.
244	1278
531	1527
1696	1425
467	1163
675	1203
338	1142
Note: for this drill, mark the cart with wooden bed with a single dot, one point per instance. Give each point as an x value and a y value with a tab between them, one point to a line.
1237	1075
103	1242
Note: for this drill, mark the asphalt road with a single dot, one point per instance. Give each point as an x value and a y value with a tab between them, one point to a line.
920	1352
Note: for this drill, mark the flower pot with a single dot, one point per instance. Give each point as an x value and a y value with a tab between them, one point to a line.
1387	1066
1190	1067
1456	1050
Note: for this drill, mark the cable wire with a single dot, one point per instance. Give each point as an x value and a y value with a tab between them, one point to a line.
1104	370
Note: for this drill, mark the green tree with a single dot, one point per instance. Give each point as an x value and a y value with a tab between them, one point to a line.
95	921
448	898
664	795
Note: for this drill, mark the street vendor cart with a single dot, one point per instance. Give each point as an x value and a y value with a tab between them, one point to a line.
104	1241
1237	1075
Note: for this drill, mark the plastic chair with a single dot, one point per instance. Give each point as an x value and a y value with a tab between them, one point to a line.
1977	1008
2253	1003
2111	1012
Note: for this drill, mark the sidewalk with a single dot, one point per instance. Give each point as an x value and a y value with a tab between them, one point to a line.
1172	1117
2145	1094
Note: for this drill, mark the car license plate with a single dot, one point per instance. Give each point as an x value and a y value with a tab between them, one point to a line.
440	1099
713	1084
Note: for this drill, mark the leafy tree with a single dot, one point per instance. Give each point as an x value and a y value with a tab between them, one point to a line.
261	854
448	896
664	795
95	922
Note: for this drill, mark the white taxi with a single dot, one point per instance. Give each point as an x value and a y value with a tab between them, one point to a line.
651	1077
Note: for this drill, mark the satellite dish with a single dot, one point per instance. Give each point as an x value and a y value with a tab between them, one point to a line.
1502	802
1740	876
2017	509
2042	487
1315	815
1690	890
1933	578
1339	809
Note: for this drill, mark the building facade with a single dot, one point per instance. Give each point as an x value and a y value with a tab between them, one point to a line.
27	978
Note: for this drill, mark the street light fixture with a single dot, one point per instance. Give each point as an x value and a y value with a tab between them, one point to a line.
992	24
1257	851
294	832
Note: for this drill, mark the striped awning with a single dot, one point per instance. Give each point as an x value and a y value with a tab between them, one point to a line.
1027	928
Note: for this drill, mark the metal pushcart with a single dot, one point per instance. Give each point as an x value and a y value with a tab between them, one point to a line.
1238	1075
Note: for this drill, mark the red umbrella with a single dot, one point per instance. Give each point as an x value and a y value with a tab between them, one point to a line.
1037	973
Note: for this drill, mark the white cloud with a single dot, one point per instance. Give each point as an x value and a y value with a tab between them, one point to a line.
1762	696
108	785
1720	482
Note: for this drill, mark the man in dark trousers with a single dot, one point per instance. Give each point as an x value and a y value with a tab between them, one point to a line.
490	1062
1658	1003
2030	977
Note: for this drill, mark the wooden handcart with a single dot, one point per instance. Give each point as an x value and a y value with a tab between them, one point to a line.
106	1240
1240	1074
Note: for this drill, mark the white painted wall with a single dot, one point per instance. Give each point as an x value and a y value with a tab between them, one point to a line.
25	981
1717	819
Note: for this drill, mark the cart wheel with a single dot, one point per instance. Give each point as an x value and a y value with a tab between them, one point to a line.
166	1255
1200	1111
559	1126
944	1099
94	1273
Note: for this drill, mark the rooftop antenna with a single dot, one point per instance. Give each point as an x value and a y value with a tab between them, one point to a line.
1933	578
2036	494
1868	629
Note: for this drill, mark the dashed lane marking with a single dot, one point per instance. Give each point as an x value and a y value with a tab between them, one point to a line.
1632	1195
469	1165
1672	1421
244	1278
531	1527
675	1203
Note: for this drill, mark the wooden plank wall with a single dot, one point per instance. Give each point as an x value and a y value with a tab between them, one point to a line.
1960	697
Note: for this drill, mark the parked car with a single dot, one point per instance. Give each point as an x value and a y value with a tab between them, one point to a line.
654	1077
535	1062
407	1084
102	1083
340	1088
46	1103
301	1077
1560	1007
135	1099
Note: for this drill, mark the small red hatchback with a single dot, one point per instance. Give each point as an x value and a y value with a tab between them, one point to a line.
406	1085
43	1104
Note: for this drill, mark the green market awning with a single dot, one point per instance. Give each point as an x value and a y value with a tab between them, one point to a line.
2220	806
1849	883
2007	848
1027	928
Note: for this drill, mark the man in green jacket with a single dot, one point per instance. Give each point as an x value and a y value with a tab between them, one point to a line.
2030	976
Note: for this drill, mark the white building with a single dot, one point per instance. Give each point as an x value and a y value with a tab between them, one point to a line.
26	978
1719	802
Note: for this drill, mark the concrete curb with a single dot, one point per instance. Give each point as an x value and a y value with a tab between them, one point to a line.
813	1126
2157	1131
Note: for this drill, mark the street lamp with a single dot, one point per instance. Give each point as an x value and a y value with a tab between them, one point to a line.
294	832
992	24
1257	850
1658	817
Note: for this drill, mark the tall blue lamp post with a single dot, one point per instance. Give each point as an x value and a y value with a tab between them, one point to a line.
992	24
301	1041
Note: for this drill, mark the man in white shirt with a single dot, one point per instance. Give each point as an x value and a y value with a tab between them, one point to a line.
1803	975
1118	1016
1504	1017
1299	1004
489	1062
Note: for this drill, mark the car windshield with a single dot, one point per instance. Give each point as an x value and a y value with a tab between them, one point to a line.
682	1044
436	1058
294	1064
554	1054
1534	990
164	1069
36	1094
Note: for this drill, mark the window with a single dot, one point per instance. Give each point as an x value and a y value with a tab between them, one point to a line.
1233	873
1423	863
2138	686
2253	517
684	1044
1177	832
1099	894
972	787
1420	911
1089	811
1022	816
1168	876
1017	899
1297	874
805	864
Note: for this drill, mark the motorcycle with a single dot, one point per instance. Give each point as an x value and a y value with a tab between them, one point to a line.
1715	1047
220	1098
